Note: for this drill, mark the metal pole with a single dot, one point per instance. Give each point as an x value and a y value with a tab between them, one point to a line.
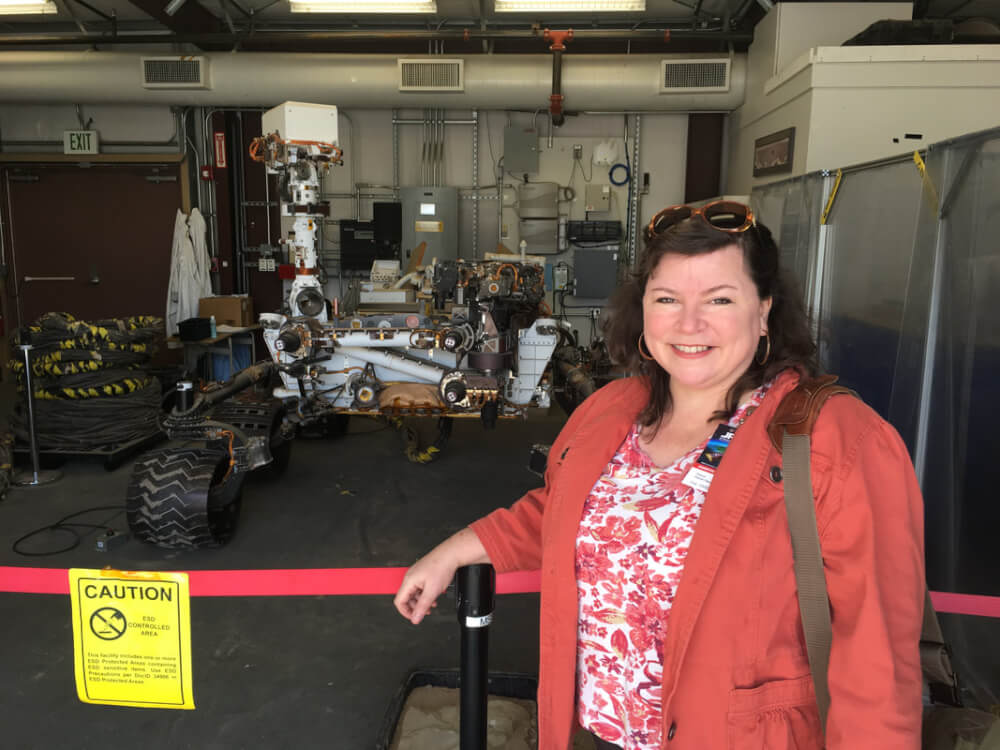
475	184
476	586
37	477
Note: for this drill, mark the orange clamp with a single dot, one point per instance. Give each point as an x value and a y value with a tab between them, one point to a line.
558	38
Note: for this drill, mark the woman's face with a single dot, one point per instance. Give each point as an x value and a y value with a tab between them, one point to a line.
703	319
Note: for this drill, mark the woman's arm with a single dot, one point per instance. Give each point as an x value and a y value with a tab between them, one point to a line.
429	576
871	529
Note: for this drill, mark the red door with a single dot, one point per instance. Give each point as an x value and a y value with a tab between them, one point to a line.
93	241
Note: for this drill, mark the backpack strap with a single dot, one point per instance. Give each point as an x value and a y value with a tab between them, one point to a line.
792	425
790	430
799	409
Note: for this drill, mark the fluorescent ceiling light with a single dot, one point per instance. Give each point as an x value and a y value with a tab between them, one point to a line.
24	7
360	7
552	6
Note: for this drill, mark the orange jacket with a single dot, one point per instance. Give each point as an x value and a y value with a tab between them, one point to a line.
735	670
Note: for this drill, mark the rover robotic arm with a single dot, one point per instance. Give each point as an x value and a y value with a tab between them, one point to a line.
299	145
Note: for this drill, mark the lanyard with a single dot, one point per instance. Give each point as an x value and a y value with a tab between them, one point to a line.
700	475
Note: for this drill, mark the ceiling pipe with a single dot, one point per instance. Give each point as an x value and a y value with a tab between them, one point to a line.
593	82
558	46
260	38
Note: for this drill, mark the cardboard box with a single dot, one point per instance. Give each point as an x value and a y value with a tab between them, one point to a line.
231	310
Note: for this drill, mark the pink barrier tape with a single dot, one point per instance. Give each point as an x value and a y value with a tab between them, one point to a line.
966	604
294	582
365	581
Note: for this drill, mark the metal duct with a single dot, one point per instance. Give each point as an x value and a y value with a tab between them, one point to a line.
590	82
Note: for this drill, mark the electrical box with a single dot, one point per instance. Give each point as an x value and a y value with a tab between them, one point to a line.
300	121
541	235
538	200
430	214
520	150
357	245
560	278
598	198
596	272
538	212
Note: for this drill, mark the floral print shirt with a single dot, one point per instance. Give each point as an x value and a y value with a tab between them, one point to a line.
634	534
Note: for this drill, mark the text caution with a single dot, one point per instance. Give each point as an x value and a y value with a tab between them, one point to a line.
132	638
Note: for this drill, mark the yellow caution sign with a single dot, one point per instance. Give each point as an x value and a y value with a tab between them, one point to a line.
132	638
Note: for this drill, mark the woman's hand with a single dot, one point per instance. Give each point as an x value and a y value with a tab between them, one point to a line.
429	576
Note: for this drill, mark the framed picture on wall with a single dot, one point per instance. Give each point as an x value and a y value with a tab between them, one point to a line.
773	153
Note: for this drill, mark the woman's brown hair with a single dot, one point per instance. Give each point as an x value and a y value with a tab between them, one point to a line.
792	345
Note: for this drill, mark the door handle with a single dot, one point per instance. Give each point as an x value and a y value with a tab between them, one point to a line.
49	278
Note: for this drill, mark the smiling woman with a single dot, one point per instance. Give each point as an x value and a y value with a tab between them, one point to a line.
669	601
708	313
703	332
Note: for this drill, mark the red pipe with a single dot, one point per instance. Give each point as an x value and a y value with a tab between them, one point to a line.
558	46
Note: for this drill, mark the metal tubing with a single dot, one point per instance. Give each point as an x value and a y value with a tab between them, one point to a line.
398	121
428	372
266	38
29	388
240	381
395	155
475	592
475	183
556	118
633	230
930	345
185	395
37	477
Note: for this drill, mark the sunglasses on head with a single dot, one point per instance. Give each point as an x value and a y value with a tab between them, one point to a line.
726	216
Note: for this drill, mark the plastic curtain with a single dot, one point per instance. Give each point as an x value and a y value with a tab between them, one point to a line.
909	316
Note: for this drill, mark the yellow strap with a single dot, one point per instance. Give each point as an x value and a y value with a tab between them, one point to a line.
928	184
833	196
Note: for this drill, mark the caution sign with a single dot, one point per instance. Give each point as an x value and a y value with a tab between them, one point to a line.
132	638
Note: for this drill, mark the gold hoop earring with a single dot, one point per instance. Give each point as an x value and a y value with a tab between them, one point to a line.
644	355
767	352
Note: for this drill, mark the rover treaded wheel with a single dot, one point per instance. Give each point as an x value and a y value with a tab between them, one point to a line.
184	498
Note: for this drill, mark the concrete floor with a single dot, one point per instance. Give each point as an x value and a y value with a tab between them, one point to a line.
303	672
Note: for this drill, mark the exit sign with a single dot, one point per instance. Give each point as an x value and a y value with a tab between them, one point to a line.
80	142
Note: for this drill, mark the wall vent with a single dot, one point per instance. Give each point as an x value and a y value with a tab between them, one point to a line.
431	75
692	76
175	73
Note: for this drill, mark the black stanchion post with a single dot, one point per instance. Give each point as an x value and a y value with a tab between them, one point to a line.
185	396
475	592
36	477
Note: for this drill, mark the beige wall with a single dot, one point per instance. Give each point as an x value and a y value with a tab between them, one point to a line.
46	122
861	103
776	99
852	127
796	112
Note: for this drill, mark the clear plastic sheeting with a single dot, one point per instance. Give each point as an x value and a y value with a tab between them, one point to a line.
908	307
791	209
870	256
961	471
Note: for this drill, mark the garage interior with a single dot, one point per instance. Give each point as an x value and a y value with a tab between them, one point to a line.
138	180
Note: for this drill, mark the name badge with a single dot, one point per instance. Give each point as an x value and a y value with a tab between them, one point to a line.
700	475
